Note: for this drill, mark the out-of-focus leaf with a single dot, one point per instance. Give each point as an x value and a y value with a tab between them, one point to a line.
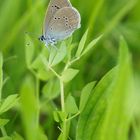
40	65
8	103
56	116
59	116
1	73
81	44
70	104
29	109
42	135
29	50
5	11
52	89
16	136
69	74
3	122
85	94
43	75
6	138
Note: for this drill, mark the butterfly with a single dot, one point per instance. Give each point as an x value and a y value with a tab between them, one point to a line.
61	20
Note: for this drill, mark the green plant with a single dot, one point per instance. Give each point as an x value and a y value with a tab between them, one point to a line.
47	62
85	90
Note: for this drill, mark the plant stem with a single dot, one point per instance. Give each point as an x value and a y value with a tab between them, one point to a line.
37	100
69	63
62	95
64	130
73	116
54	72
4	133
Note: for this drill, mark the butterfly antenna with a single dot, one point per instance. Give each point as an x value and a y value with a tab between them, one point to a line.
35	36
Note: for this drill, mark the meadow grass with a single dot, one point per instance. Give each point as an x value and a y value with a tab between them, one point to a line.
88	89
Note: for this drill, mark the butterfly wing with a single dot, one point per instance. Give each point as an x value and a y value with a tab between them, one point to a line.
53	7
64	22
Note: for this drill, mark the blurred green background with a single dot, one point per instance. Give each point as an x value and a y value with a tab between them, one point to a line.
112	18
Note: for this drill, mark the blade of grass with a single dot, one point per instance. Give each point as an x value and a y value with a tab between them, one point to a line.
118	17
19	25
1	75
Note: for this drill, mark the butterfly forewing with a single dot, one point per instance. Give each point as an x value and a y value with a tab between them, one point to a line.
53	7
64	22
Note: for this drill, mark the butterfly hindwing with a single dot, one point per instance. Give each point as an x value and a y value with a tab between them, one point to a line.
64	22
53	7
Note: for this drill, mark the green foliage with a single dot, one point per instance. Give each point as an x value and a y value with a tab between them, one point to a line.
106	106
1	73
8	103
85	94
50	93
70	104
69	74
3	122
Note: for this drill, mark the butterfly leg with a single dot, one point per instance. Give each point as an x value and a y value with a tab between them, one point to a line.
47	46
54	46
53	43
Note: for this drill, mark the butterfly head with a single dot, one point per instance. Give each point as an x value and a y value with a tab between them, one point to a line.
42	38
47	40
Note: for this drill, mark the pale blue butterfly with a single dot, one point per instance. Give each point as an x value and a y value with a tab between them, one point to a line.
60	22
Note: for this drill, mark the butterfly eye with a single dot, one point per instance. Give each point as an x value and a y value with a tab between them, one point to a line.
57	7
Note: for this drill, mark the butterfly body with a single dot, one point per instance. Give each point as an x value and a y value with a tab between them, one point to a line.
60	22
47	40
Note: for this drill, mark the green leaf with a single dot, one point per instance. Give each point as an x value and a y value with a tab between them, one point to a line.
8	103
91	45
69	41
40	64
29	50
85	94
1	74
56	116
16	136
42	135
6	138
70	104
51	90
37	63
109	103
69	74
61	53
119	111
43	74
29	109
3	122
59	116
81	44
93	112
53	53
